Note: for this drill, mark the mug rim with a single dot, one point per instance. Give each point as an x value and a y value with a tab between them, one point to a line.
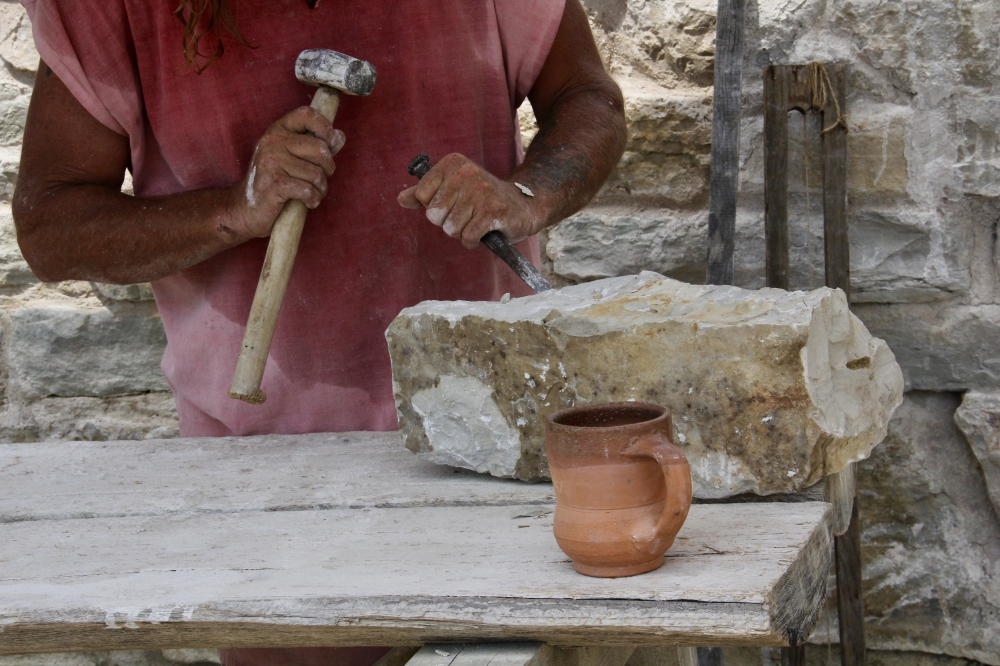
551	422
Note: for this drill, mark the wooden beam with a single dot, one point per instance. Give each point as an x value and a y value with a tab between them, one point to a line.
838	250
725	175
850	604
776	83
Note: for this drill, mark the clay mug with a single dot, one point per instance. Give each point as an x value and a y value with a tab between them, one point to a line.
623	489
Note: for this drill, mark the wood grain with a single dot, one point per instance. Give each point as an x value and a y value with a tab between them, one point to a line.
776	175
348	539
837	247
726	104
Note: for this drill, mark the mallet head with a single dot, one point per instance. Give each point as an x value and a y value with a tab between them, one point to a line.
322	67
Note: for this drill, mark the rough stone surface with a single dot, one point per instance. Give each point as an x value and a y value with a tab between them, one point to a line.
68	351
931	541
117	658
941	348
771	390
979	420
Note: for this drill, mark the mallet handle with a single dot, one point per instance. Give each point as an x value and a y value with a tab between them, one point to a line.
278	262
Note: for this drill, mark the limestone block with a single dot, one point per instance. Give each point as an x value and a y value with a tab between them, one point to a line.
903	255
670	43
603	242
17	47
14	270
14	99
115	658
942	346
146	416
61	350
979	420
930	540
133	293
667	156
771	390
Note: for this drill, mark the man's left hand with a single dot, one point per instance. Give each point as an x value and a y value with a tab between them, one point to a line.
468	202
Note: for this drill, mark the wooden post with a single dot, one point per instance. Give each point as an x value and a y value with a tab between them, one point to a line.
725	140
776	175
788	87
847	547
838	251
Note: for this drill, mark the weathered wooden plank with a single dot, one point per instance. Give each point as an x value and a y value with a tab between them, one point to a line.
776	175
269	473
195	559
726	104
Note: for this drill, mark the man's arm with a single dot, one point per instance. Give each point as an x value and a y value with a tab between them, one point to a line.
73	222
581	120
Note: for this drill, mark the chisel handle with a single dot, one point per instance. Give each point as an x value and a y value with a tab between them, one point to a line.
281	251
495	240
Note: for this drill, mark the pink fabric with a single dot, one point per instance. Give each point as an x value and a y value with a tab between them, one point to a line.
451	76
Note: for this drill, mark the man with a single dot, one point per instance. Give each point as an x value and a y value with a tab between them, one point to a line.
125	84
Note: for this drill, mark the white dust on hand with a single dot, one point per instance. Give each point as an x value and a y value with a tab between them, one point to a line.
251	199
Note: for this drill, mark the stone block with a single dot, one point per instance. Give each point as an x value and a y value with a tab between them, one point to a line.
17	47
146	416
940	346
903	255
771	390
930	539
608	242
667	156
14	270
979	420
61	350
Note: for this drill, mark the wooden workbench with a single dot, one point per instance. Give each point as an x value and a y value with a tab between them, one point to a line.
349	539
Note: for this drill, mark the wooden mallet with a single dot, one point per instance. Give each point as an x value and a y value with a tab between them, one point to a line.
334	73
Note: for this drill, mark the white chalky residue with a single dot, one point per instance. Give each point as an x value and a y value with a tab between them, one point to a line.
251	200
437	216
486	443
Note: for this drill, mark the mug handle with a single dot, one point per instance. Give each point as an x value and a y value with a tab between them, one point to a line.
677	474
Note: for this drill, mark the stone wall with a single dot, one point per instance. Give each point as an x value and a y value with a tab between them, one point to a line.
81	361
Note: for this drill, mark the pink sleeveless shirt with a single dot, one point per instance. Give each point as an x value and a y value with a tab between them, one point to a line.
451	74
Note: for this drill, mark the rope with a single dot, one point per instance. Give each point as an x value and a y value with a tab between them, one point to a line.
821	83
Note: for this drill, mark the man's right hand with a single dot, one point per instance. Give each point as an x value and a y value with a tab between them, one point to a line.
73	222
288	163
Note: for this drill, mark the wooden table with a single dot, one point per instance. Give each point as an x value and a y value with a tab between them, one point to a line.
348	539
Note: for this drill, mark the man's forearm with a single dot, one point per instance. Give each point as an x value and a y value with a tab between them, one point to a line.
574	151
106	236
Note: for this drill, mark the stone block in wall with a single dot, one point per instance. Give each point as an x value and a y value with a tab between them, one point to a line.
771	390
876	149
116	658
14	270
930	538
940	346
145	416
62	350
667	156
603	242
670	43
901	255
979	420
17	47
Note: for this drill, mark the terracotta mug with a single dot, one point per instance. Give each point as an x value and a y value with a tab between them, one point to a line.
623	489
